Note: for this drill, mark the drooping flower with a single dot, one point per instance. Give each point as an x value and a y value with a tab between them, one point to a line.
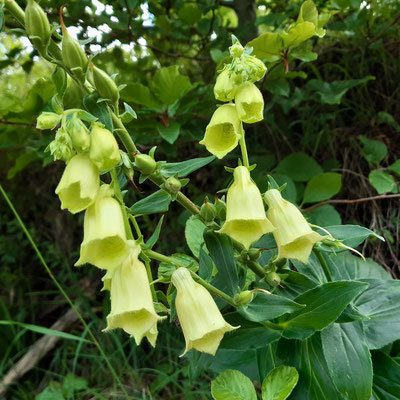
104	239
48	120
249	103
132	307
104	151
202	323
224	88
245	221
293	234
79	184
223	132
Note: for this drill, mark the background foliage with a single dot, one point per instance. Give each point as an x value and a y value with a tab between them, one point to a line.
329	130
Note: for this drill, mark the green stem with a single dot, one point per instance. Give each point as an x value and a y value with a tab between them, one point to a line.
135	225
150	276
62	291
256	268
208	286
243	148
324	265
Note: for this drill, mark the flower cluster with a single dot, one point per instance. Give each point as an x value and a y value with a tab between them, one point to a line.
235	82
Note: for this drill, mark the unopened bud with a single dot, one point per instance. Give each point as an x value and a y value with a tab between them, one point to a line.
105	86
254	254
72	53
48	120
221	208
172	185
208	211
37	26
243	298
273	278
224	88
236	50
145	163
247	68
61	147
79	135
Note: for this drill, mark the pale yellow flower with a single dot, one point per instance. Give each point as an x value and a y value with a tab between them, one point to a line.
249	103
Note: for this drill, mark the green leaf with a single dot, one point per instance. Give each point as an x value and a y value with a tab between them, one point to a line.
233	385
278	86
374	150
169	85
154	237
45	331
128	115
322	187
299	167
169	133
304	55
1	16
324	216
350	235
290	192
267	46
221	251
348	359
189	14
351	314
312	269
265	307
250	338
332	93
139	94
384	117
308	12
395	167
381	303
323	305
99	110
386	377
194	234
382	181
166	269
279	383
206	265
298	34
59	78
185	168
155	203
21	162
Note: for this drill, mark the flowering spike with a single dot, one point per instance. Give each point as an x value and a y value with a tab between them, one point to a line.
245	221
202	323
293	235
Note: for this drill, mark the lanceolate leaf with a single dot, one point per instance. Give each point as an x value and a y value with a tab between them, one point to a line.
348	359
323	305
155	203
386	377
185	168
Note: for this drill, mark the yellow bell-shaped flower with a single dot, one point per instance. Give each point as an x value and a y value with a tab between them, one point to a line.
132	307
104	239
202	323
249	103
224	88
223	132
245	221
79	184
293	235
104	151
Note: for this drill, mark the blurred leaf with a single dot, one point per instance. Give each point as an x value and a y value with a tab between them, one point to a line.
22	162
299	167
278	86
233	385
170	133
139	94
267	46
279	383
155	203
382	181
395	167
170	85
194	234
189	14
308	12
324	216
99	110
322	187
298	34
374	150
384	117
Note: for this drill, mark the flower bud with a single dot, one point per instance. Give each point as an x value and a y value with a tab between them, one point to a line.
104	239
72	53
48	120
236	50
104	151
37	27
61	147
273	278
223	132
243	298
202	323
249	103
145	163
245	221
208	211
293	235
247	68
79	184
132	307
254	254
172	185
224	89
220	206
105	86
79	134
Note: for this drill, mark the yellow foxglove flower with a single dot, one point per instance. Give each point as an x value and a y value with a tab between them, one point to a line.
224	88
293	235
245	221
223	132
249	103
104	239
132	307
202	323
79	184
104	151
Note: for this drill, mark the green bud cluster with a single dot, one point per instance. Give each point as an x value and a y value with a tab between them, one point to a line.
61	147
48	120
37	26
79	134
